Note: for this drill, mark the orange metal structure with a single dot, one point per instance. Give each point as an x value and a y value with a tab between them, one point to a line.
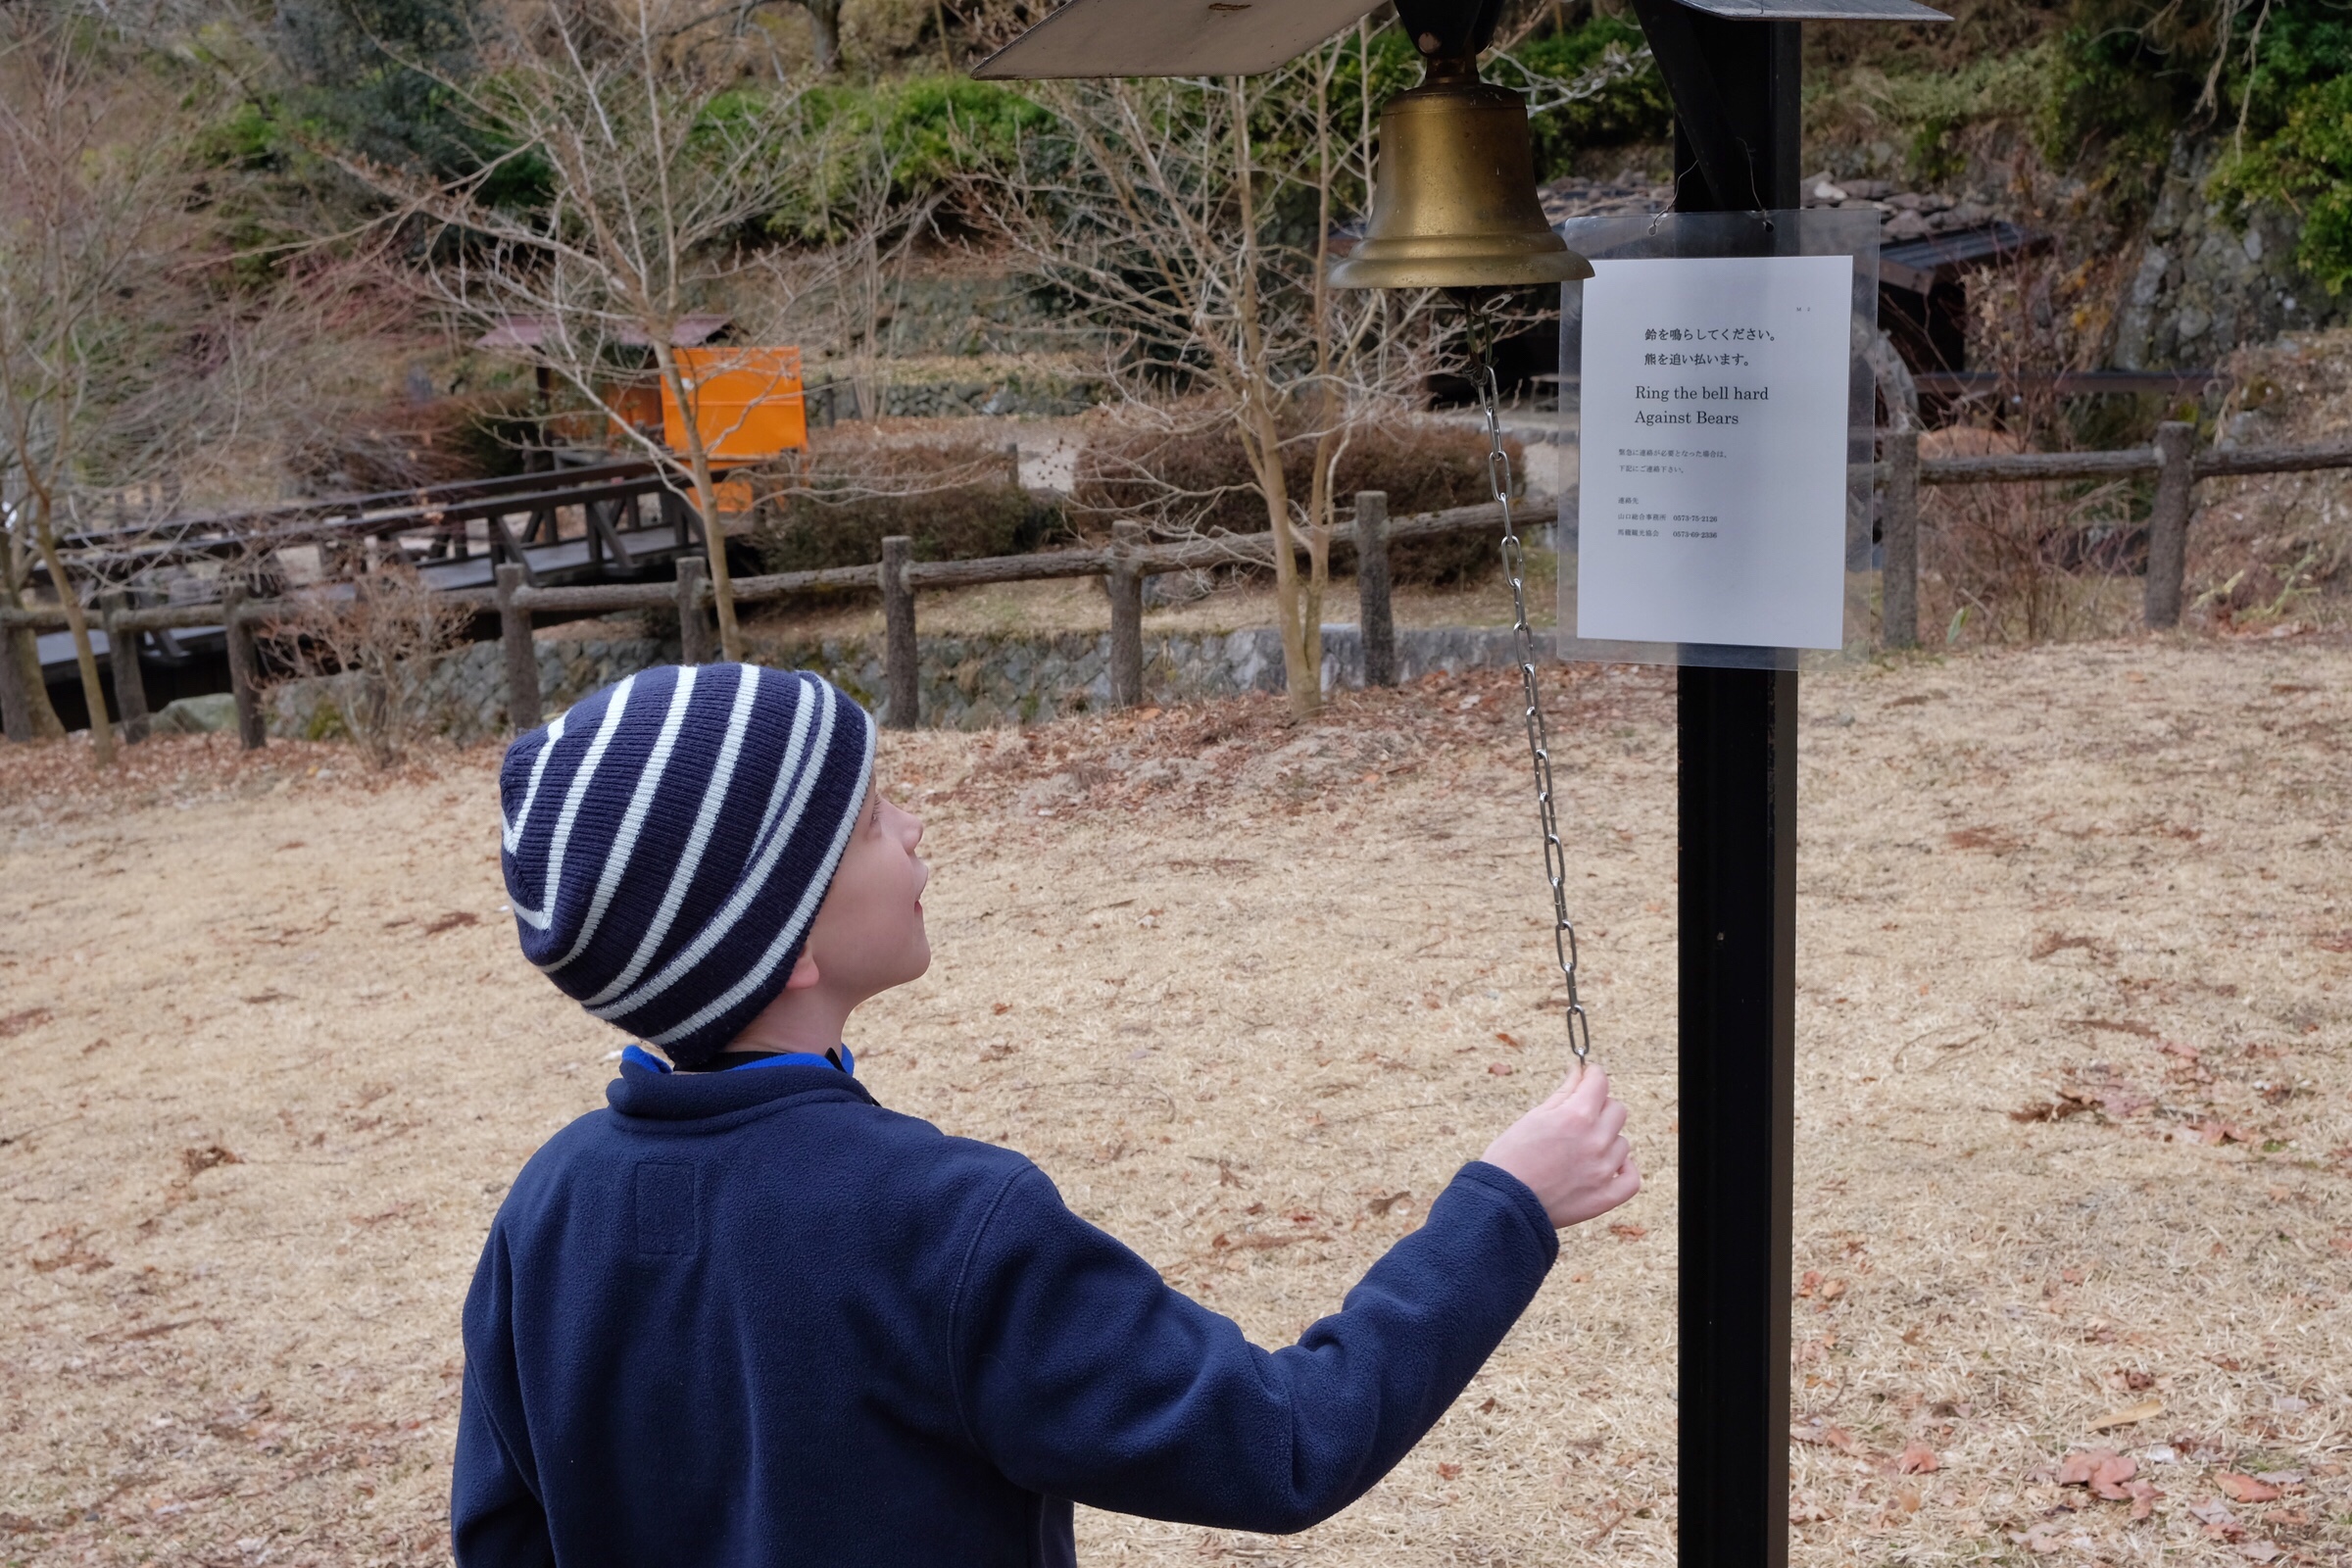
746	401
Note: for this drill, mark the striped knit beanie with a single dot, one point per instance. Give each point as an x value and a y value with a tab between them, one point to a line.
668	839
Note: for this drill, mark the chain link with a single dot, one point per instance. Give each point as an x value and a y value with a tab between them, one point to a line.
1539	740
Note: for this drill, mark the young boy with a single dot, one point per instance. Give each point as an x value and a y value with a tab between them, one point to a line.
749	1317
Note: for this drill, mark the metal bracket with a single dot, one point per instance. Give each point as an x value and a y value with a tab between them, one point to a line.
1723	158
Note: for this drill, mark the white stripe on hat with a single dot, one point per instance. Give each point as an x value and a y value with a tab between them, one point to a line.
624	843
547	749
800	916
539	919
714	793
755	882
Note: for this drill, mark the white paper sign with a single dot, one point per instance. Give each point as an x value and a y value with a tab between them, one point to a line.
1712	485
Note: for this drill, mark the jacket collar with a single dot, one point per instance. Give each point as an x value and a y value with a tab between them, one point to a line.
695	1096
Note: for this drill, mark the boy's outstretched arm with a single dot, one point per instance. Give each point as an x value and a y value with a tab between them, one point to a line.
1083	1375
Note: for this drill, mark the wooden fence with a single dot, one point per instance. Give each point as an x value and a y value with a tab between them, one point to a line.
2174	459
1131	558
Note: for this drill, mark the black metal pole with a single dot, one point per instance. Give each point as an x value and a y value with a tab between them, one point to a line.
1736	88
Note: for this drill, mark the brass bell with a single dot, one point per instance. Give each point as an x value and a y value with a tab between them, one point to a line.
1454	199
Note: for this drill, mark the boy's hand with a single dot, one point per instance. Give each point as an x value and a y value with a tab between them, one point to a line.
1571	1150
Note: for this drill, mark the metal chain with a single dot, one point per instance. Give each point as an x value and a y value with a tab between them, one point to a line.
1539	740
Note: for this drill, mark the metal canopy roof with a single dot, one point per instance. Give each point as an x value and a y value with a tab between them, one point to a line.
1919	264
1171	38
530	331
1242	37
1818	9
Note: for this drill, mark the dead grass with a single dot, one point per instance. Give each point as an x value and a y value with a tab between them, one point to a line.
2072	1099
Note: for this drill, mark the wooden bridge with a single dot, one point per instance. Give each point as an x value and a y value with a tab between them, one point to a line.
603	521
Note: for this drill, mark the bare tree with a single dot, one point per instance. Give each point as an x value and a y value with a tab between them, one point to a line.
94	229
1167	213
658	172
378	648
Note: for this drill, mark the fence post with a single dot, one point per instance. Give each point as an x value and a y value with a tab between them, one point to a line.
694	625
1373	622
1898	539
1126	614
523	709
16	696
898	668
123	650
2168	523
244	670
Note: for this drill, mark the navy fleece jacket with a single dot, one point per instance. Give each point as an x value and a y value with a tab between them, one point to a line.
751	1317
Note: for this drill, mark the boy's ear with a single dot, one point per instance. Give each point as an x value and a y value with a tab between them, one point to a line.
804	973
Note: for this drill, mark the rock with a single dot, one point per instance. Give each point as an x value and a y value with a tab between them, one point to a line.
1828	194
1869	190
1904	225
197	716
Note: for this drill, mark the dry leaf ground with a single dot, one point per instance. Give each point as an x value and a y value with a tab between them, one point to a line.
2074	1131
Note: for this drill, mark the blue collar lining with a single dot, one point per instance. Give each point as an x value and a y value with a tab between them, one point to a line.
638	1057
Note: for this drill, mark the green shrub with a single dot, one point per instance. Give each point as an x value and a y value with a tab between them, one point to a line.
1630	107
2132	74
2306	165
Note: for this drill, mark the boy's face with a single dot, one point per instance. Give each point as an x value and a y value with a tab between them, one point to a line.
868	934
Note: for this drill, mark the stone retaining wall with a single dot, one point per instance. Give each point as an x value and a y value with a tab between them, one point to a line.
967	682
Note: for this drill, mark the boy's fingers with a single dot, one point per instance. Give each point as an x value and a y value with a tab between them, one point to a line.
1587	1084
1612	1118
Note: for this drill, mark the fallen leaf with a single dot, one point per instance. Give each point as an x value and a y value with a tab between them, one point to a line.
2258	1551
1500	1069
2103	1470
2219	1522
1832	1290
2282	1478
2107	1481
2143	1498
1446	1472
15	1023
2145	1409
1916	1459
2245	1488
1628	1232
1507	1040
196	1161
451	921
1821	1432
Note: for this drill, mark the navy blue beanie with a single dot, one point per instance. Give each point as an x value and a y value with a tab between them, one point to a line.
668	839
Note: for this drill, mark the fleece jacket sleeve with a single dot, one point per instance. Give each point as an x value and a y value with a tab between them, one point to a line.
1084	1376
495	1516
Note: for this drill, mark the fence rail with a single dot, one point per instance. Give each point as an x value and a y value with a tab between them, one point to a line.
1124	565
1130	558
